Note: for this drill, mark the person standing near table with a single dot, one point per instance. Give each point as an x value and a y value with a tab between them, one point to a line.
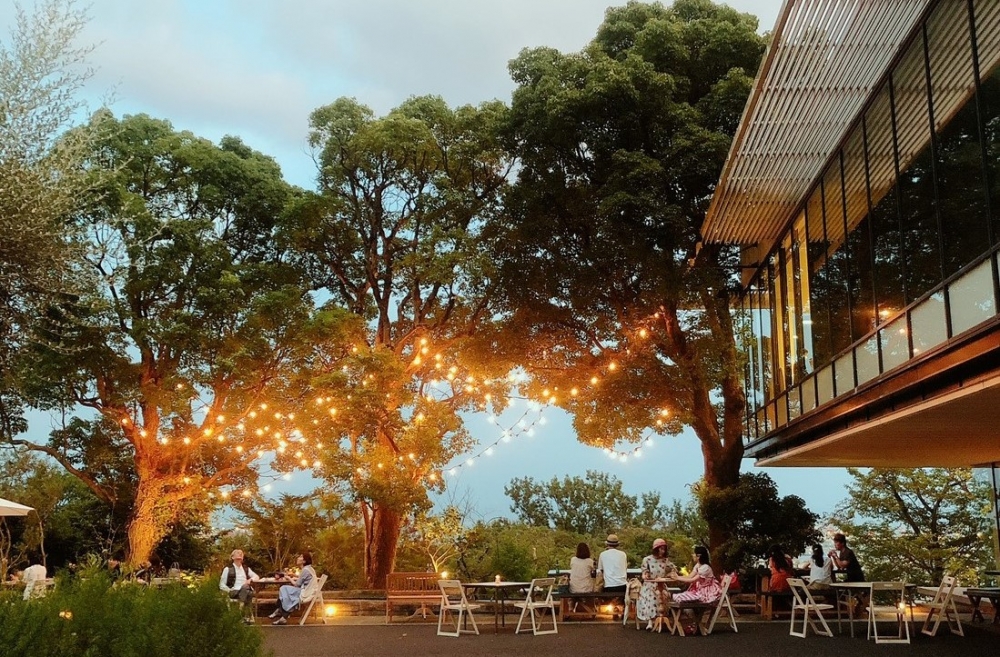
655	565
34	581
235	581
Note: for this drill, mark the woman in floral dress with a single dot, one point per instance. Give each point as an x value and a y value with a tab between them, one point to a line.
652	594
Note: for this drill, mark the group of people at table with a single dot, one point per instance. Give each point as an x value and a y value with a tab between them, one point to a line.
612	566
237	581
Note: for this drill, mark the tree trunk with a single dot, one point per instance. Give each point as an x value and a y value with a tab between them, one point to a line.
147	525
380	550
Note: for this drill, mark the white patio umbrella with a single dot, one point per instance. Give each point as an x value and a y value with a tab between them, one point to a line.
8	508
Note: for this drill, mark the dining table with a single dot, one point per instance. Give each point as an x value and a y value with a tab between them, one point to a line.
856	589
501	592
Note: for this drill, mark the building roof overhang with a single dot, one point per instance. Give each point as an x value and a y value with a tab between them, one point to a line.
823	62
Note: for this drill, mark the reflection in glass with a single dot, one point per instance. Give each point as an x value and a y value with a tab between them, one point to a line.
866	357
824	384
843	370
959	164
895	341
970	298
927	321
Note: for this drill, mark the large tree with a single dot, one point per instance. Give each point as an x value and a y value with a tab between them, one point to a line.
41	178
191	314
918	525
624	317
391	240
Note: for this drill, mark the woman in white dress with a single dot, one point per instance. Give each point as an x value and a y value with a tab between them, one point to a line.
290	595
652	595
820	570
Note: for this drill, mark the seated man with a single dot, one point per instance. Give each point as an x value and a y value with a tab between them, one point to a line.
612	564
235	581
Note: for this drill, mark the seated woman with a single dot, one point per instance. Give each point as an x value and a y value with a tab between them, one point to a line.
704	587
781	570
820	570
652	596
290	595
581	571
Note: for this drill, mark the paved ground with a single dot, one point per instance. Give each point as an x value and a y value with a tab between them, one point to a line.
607	639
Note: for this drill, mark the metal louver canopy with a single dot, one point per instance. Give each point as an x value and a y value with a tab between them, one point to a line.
823	62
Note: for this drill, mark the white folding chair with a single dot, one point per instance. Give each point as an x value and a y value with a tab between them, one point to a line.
632	589
314	595
802	600
539	599
454	603
723	602
896	592
943	603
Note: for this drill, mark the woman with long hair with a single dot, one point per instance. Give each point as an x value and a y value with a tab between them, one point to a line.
781	570
703	585
290	595
820	569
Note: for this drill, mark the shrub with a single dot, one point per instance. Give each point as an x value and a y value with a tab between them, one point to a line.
87	616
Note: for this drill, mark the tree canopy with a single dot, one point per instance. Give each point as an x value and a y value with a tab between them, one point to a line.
593	505
192	311
918	525
626	319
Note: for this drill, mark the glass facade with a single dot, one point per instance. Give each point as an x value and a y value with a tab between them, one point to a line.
894	251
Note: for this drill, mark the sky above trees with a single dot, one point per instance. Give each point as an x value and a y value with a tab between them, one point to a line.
257	69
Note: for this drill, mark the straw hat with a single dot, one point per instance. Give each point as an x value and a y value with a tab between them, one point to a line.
612	540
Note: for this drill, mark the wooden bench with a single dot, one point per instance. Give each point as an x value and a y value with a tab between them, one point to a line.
567	603
411	589
767	600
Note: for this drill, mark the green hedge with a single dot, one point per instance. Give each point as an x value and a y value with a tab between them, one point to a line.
88	617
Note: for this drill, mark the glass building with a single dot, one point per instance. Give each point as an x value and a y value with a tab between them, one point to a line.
863	189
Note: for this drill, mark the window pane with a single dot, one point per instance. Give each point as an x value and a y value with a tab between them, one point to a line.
928	323
844	372
988	41
809	394
835	269
961	185
916	183
884	218
971	298
818	323
859	269
824	384
895	344
866	356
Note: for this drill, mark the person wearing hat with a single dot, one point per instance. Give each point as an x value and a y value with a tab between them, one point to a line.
652	596
613	565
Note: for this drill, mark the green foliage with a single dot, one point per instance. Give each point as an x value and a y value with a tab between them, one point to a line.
586	505
86	616
918	525
755	518
193	312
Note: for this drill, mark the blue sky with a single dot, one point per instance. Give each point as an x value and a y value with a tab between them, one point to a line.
257	68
